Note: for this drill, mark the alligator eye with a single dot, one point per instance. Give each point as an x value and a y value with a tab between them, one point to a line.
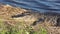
58	22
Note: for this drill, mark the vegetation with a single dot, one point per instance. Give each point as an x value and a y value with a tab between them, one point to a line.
8	29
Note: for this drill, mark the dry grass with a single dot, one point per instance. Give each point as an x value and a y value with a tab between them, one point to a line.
22	25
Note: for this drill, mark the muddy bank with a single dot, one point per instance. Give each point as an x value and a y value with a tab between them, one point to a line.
11	15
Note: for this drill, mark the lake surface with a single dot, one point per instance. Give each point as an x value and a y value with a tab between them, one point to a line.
36	5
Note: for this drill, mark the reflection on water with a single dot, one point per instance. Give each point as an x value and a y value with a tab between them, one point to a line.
37	5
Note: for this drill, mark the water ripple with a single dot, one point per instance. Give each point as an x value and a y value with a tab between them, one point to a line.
37	5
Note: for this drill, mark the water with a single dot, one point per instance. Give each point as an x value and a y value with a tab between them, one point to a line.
36	5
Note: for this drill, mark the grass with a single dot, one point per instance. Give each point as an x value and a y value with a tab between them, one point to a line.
7	29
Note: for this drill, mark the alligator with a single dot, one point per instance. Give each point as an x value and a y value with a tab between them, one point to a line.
51	17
